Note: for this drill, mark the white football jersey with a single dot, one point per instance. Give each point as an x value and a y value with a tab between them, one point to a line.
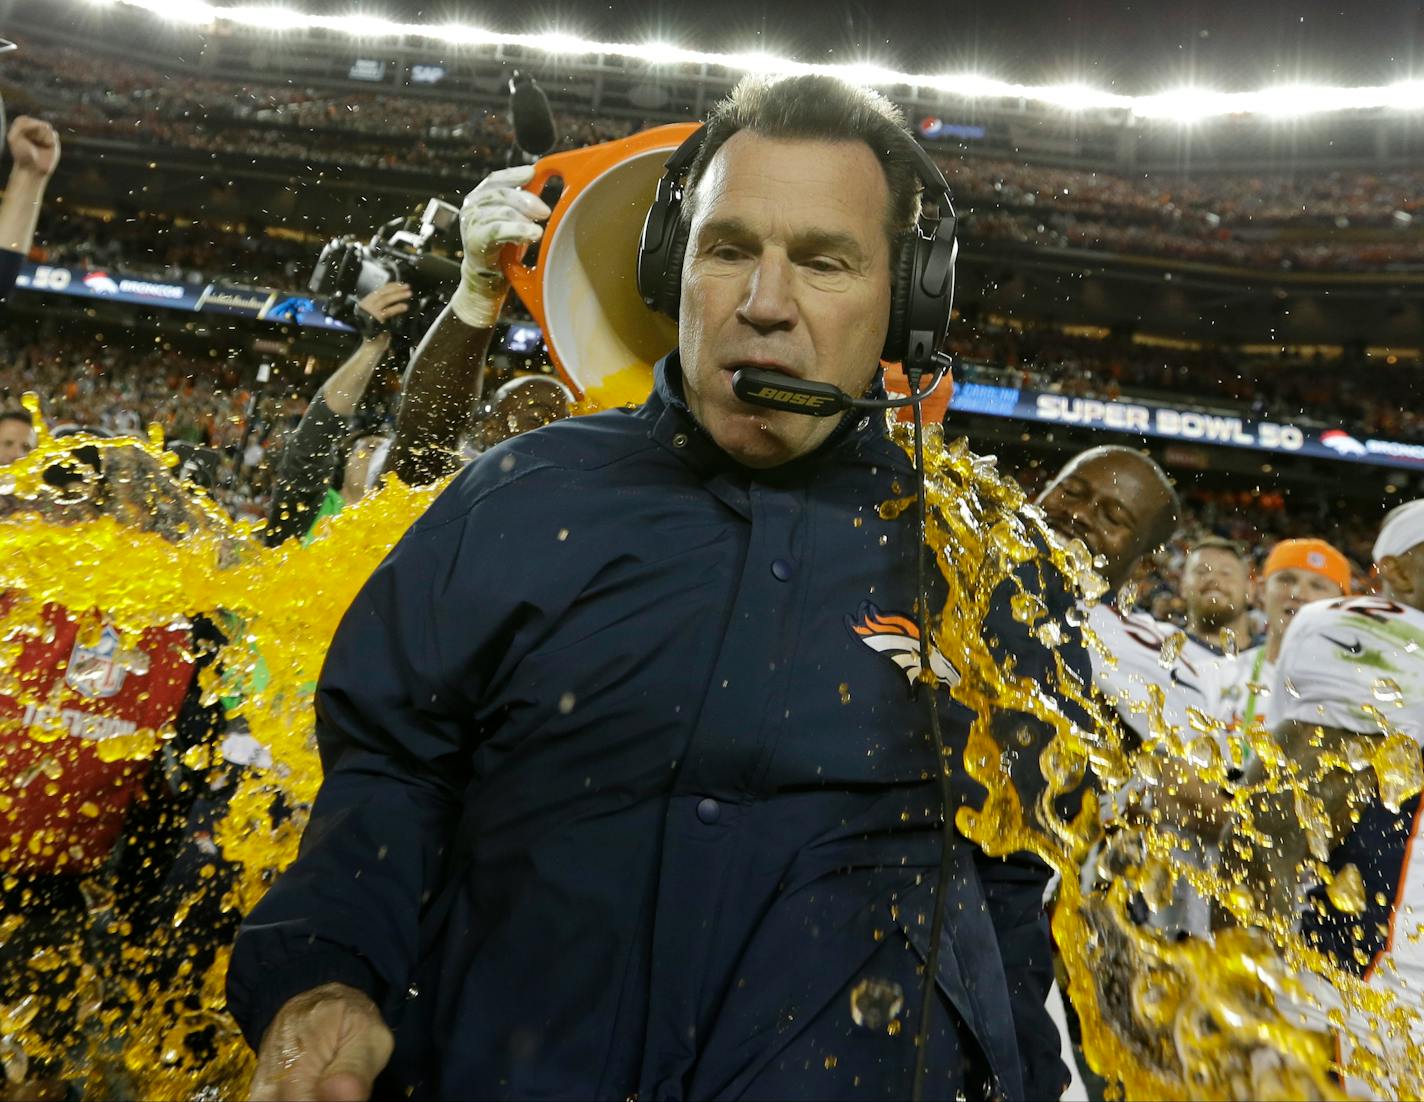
1349	664
1133	652
1341	660
1238	695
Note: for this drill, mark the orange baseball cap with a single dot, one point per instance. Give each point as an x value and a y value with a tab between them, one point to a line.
1317	556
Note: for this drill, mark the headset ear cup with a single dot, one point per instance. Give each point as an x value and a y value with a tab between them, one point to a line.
902	285
670	292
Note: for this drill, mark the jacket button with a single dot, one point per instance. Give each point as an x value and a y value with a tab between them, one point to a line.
709	810
781	570
679	440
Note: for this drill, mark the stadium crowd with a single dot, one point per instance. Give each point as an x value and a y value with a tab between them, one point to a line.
1333	221
1346	389
351	128
146	245
122	388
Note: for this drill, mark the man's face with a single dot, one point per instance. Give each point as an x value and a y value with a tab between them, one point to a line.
787	268
1215	585
1286	591
1112	503
17	440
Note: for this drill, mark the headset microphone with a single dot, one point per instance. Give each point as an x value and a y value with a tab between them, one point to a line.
758	386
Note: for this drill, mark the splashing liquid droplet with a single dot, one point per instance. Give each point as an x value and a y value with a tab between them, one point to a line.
1346	891
1172	649
1398	771
1387	691
1027	608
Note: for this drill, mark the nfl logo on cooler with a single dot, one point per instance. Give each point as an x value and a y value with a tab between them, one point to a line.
92	671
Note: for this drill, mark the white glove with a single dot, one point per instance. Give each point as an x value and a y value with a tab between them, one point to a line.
497	213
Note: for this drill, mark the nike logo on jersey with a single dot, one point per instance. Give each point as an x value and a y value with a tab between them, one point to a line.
1356	648
1178	679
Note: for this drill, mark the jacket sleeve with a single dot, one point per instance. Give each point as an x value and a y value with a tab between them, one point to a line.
397	725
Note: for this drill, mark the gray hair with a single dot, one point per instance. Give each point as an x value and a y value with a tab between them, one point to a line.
820	107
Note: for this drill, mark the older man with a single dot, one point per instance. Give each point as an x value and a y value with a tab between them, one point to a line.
621	795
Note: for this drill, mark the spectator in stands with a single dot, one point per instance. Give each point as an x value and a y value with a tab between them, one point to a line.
1216	587
17	435
34	147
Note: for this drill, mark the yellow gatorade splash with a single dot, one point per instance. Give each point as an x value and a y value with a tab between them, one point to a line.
1194	1019
1164	1019
629	386
280	607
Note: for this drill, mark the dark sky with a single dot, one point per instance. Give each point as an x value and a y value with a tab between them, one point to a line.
1132	46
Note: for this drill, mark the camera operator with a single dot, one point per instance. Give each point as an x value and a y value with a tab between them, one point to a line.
34	145
306	486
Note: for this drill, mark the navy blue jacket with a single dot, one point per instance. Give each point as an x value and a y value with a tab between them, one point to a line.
625	791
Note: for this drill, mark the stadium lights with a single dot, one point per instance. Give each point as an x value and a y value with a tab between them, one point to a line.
1183	105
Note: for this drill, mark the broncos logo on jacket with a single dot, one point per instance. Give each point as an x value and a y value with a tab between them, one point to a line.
897	636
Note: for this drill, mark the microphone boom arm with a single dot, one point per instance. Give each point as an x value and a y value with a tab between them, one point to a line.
760	387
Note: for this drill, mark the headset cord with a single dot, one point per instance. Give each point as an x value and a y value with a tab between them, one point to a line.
927	683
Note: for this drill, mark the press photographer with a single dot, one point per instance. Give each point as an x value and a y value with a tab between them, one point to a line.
323	468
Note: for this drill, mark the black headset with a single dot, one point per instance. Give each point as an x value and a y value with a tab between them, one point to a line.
922	273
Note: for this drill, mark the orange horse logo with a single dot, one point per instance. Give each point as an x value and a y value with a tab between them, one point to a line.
898	638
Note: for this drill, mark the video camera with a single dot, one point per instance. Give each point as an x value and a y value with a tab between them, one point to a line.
348	269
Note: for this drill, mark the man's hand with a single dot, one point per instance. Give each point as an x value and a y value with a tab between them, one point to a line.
390	300
497	213
328	1043
34	144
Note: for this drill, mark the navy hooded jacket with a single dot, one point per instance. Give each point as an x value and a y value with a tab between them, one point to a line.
625	790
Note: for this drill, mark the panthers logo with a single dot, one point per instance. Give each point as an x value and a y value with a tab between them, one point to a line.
898	638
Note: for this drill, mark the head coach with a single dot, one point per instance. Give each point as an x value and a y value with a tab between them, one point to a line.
624	792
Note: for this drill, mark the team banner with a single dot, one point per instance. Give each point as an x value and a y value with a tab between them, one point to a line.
1182	423
263	303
